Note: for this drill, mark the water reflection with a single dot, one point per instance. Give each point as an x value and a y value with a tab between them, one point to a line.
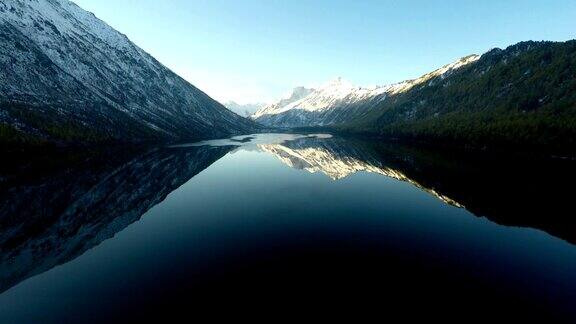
338	158
53	219
509	190
250	223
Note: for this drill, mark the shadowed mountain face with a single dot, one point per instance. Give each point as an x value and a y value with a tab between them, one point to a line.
51	220
510	191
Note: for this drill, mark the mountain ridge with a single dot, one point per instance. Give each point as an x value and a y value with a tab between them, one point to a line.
522	97
339	101
67	74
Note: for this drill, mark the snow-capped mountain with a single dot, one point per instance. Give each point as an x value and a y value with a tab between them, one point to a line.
296	95
66	71
339	101
245	110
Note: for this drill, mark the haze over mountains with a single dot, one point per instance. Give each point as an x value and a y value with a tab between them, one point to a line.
66	75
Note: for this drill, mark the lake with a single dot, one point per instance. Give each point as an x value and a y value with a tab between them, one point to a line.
285	224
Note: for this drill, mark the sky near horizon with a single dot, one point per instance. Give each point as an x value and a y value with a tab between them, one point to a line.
257	50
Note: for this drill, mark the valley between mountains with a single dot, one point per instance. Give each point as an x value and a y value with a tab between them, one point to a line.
68	77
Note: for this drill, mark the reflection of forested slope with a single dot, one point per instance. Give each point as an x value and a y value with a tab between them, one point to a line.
510	191
338	159
52	221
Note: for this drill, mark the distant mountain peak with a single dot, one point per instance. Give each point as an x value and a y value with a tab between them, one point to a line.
244	110
297	94
339	100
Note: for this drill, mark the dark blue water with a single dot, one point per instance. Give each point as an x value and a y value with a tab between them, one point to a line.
283	224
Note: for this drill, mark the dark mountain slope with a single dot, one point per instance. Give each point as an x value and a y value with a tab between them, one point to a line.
523	97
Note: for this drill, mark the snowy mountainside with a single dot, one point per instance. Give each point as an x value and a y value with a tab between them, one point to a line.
63	68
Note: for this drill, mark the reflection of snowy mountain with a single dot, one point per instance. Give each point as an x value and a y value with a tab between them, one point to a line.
50	220
492	186
337	159
53	221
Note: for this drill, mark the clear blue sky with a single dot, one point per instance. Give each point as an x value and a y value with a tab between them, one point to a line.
256	50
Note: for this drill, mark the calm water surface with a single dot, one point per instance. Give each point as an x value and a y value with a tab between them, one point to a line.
280	224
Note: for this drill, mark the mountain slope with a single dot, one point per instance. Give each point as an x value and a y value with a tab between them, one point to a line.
523	96
66	75
339	101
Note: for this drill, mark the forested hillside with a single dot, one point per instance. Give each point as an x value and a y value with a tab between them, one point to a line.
523	96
